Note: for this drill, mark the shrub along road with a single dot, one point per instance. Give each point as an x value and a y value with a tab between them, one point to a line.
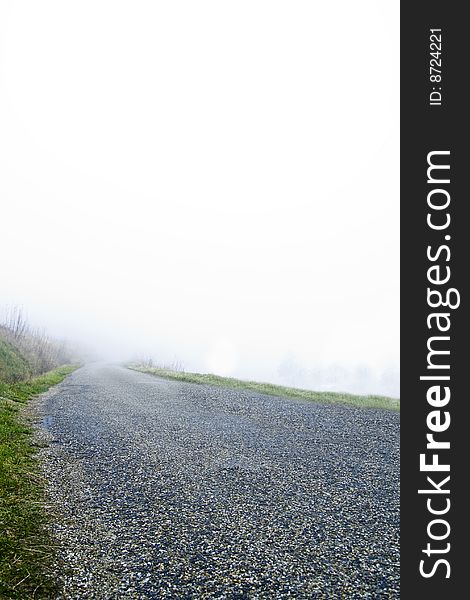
167	489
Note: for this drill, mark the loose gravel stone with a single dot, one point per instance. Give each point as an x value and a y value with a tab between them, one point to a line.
162	489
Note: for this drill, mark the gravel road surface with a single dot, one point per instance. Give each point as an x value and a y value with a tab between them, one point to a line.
161	489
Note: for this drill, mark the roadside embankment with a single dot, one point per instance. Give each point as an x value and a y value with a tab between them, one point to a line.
30	364
370	401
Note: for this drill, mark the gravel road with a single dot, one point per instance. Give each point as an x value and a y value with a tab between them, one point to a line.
161	489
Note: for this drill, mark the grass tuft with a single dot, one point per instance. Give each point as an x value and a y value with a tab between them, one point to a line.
381	402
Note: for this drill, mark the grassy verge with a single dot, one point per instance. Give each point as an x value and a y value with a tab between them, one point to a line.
382	402
13	365
24	548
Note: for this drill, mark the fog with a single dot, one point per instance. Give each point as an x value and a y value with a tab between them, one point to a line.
210	182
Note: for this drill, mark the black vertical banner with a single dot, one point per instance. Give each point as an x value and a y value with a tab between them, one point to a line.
434	299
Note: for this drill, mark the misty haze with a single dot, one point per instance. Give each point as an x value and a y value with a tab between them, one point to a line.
159	206
199	298
195	224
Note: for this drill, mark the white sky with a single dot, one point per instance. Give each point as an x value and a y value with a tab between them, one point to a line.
215	181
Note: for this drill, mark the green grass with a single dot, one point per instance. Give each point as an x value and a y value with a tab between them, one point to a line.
382	402
13	365
25	551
